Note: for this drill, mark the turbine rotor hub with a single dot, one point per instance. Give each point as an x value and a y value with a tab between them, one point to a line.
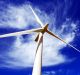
45	28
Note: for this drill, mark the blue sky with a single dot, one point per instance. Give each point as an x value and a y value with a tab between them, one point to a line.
17	53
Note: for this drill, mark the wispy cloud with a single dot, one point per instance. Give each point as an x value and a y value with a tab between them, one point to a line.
22	54
49	73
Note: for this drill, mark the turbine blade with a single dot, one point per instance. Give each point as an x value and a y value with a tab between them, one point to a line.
49	32
37	37
21	32
74	47
36	16
40	39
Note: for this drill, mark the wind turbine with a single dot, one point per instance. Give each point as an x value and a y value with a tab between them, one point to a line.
38	58
39	39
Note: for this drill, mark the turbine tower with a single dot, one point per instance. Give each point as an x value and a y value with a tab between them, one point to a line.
39	39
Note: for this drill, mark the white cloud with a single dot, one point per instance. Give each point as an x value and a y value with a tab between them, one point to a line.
49	73
17	17
22	54
20	17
